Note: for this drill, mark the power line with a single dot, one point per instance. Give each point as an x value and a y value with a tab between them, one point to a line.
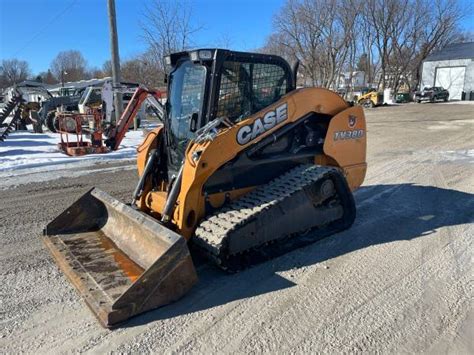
37	34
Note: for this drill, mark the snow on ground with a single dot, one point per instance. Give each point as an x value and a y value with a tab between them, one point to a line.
25	150
25	155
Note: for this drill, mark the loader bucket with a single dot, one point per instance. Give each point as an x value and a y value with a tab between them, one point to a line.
121	261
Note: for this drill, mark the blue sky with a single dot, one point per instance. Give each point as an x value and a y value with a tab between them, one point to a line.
32	30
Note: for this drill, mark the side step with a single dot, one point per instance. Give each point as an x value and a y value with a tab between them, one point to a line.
121	261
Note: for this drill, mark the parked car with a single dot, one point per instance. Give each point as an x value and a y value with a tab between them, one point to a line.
403	97
432	94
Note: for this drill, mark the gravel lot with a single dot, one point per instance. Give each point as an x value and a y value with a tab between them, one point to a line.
400	280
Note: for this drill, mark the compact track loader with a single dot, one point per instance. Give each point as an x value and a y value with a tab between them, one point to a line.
244	168
371	99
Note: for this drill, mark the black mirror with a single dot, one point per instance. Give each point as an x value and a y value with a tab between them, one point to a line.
165	79
193	122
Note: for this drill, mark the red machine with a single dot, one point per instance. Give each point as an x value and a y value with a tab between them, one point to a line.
140	95
75	128
88	128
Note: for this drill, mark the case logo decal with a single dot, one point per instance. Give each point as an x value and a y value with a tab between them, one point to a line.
261	125
352	121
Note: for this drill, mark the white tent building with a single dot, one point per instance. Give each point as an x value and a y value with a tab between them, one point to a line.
452	68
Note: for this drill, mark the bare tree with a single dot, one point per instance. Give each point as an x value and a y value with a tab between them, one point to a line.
366	45
224	41
150	76
168	27
69	66
384	18
464	37
107	68
320	35
328	37
402	33
13	71
276	44
140	70
95	73
439	27
47	77
131	70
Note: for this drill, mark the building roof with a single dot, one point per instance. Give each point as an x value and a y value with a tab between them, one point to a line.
33	83
80	83
453	51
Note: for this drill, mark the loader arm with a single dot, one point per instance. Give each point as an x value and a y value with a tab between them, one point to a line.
139	97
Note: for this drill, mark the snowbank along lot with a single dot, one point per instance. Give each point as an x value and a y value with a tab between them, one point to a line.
400	280
27	156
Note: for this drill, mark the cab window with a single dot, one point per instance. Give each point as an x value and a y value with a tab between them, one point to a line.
247	88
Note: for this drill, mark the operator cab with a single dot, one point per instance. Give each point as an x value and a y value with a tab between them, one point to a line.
206	84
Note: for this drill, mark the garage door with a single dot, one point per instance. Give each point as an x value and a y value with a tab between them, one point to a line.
452	79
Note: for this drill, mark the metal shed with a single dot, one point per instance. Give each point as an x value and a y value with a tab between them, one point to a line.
452	68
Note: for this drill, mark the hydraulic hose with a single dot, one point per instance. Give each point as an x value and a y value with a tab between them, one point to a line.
172	197
149	165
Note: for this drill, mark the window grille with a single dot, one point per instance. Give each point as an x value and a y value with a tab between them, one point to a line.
247	88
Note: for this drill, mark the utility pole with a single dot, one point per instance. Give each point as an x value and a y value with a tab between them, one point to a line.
115	60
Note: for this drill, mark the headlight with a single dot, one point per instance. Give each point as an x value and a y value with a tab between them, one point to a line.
194	56
201	55
205	55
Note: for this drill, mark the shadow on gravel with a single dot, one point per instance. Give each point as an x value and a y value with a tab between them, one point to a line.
386	213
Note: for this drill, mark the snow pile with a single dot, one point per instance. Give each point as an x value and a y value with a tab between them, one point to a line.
26	151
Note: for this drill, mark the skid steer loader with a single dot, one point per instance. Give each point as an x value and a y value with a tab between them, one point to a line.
244	168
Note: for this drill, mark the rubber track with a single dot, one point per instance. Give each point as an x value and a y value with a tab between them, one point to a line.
211	233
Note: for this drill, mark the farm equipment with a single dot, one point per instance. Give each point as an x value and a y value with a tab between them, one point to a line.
86	129
371	99
245	168
102	97
54	105
118	129
85	99
75	128
14	109
39	106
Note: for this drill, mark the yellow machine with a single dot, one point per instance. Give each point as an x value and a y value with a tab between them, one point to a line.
245	167
371	99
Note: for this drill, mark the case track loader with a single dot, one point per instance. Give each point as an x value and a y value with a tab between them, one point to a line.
244	168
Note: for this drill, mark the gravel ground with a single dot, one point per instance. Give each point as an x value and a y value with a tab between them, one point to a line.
400	280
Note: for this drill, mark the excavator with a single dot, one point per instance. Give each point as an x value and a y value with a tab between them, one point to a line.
244	168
